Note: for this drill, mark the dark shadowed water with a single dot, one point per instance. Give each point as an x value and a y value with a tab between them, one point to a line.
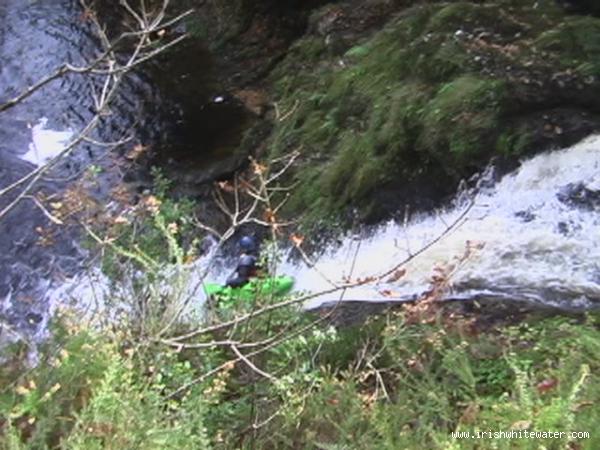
174	105
36	37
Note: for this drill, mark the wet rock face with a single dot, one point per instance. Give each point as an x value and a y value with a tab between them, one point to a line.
397	100
580	196
396	115
580	6
212	83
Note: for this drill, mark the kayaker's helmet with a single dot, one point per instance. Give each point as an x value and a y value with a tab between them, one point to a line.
248	244
247	261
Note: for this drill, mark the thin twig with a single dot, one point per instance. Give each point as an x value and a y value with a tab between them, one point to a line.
251	365
47	213
111	83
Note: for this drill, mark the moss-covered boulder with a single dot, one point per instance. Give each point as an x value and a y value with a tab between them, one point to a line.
407	110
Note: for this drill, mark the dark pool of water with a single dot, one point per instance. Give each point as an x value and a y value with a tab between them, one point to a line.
36	37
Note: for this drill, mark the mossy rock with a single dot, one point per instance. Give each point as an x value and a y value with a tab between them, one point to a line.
577	41
418	103
458	117
470	16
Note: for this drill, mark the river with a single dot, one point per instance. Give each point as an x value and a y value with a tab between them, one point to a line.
532	235
35	39
536	233
535	230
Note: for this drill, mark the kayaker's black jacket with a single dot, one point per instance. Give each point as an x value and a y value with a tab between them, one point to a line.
246	269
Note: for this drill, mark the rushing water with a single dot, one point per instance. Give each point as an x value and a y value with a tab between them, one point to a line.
533	234
538	226
174	106
36	37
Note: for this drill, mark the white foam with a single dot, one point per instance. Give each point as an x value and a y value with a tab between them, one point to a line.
46	143
526	259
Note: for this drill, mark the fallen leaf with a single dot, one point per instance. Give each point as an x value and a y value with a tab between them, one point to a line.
396	275
389	293
258	169
152	204
546	385
22	390
136	152
120	220
470	413
173	228
415	364
225	185
521	425
297	239
269	216
581	405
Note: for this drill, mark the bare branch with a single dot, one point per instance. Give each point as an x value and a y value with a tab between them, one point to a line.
30	90
47	213
459	221
113	77
291	158
336	288
264	310
251	365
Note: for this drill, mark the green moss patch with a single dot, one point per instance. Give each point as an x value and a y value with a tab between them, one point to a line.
429	97
577	41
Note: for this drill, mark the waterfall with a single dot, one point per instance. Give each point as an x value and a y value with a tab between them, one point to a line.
538	228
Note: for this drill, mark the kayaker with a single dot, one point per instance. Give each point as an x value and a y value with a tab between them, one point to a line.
247	264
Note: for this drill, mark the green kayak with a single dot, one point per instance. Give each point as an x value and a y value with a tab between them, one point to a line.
274	286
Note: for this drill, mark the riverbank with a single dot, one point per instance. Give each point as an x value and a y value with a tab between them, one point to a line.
409	379
393	104
373	106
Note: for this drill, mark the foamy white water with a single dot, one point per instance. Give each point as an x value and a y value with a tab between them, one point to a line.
536	246
94	295
46	143
540	243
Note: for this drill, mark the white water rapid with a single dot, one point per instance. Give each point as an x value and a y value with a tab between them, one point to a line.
539	227
46	143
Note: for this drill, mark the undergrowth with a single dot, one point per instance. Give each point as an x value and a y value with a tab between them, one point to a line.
387	384
400	380
422	103
406	379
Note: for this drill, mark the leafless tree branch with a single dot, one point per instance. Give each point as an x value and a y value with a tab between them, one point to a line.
113	73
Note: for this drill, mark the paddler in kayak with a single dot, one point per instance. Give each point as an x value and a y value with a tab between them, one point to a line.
247	266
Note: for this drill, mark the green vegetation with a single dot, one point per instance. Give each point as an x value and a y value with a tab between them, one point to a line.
388	384
144	243
413	102
222	20
90	391
429	99
577	41
267	375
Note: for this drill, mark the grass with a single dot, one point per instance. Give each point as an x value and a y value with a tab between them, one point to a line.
433	381
577	41
91	391
405	104
400	380
416	101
